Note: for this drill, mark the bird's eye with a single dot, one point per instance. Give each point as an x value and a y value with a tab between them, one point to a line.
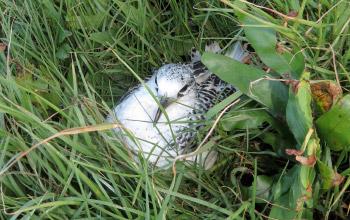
156	81
182	90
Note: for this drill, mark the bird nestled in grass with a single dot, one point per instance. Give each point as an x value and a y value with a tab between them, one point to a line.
160	117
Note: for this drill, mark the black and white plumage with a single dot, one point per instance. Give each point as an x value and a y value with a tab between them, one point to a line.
187	92
210	92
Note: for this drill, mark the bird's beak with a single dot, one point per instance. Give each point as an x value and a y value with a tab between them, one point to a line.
165	102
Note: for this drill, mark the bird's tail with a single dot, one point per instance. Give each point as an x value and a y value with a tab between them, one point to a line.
237	52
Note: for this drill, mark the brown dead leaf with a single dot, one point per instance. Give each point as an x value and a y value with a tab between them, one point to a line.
307	161
300	203
326	93
345	206
3	47
294	84
280	48
309	188
247	59
66	132
294	152
292	14
337	179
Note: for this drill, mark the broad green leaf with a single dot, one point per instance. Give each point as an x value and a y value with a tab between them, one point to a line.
285	182
40	87
281	210
85	21
307	177
246	119
292	193
296	62
326	173
299	113
134	15
263	188
265	43
27	80
129	11
50	9
63	34
296	190
334	126
250	81
103	37
63	51
279	141
329	176
313	147
294	4
264	40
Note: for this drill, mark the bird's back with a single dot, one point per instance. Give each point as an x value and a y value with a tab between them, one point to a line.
209	93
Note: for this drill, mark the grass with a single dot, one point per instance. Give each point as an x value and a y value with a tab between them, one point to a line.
64	67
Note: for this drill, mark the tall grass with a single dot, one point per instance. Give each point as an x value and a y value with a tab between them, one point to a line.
59	71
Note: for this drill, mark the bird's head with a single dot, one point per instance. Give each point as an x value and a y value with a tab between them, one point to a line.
172	81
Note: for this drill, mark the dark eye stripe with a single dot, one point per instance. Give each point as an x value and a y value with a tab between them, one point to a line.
155	81
183	89
181	92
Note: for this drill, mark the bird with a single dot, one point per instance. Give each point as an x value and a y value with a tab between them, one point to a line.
160	117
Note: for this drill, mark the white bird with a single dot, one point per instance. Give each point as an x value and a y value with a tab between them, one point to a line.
186	92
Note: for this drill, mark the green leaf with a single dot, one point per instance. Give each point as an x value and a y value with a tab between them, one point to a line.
63	51
63	34
334	126
135	16
250	81
103	37
327	174
279	141
248	119
299	113
281	211
263	188
264	41
85	21
286	182
296	62
50	9
292	193
220	106
304	175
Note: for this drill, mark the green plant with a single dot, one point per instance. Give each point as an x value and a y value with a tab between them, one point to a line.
312	111
58	71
